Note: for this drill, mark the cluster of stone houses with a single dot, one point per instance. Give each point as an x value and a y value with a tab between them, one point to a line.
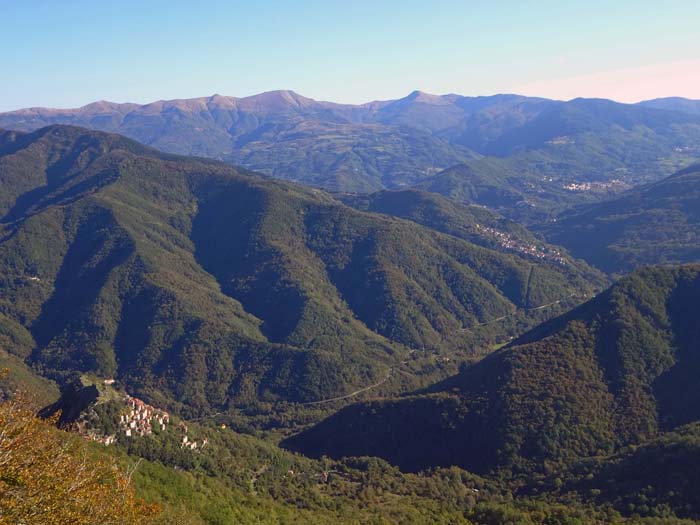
141	417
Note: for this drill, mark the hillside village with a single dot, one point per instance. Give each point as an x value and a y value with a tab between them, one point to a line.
136	419
615	184
509	242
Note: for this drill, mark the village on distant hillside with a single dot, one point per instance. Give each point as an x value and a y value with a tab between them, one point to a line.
136	419
509	242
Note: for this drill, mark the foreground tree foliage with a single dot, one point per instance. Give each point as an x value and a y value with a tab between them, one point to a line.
50	477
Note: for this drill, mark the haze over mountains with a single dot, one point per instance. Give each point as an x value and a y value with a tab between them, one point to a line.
541	148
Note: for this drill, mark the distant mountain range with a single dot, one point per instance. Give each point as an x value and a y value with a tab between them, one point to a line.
682	105
542	148
201	286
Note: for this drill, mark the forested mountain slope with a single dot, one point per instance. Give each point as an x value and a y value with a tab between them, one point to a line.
659	476
203	286
574	153
616	371
581	151
684	105
475	224
652	224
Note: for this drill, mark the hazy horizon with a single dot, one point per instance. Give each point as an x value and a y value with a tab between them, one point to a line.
71	54
328	100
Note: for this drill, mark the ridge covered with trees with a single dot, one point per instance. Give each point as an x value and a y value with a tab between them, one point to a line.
617	371
656	223
204	287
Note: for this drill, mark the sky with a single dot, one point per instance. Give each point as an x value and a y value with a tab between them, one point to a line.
72	52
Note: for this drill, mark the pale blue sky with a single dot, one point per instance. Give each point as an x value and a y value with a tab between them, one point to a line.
70	52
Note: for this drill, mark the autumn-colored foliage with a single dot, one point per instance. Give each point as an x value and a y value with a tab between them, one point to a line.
49	477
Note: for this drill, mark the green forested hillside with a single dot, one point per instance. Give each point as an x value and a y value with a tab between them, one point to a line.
684	105
659	477
572	153
50	476
204	287
535	186
616	371
16	375
652	224
473	223
231	299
